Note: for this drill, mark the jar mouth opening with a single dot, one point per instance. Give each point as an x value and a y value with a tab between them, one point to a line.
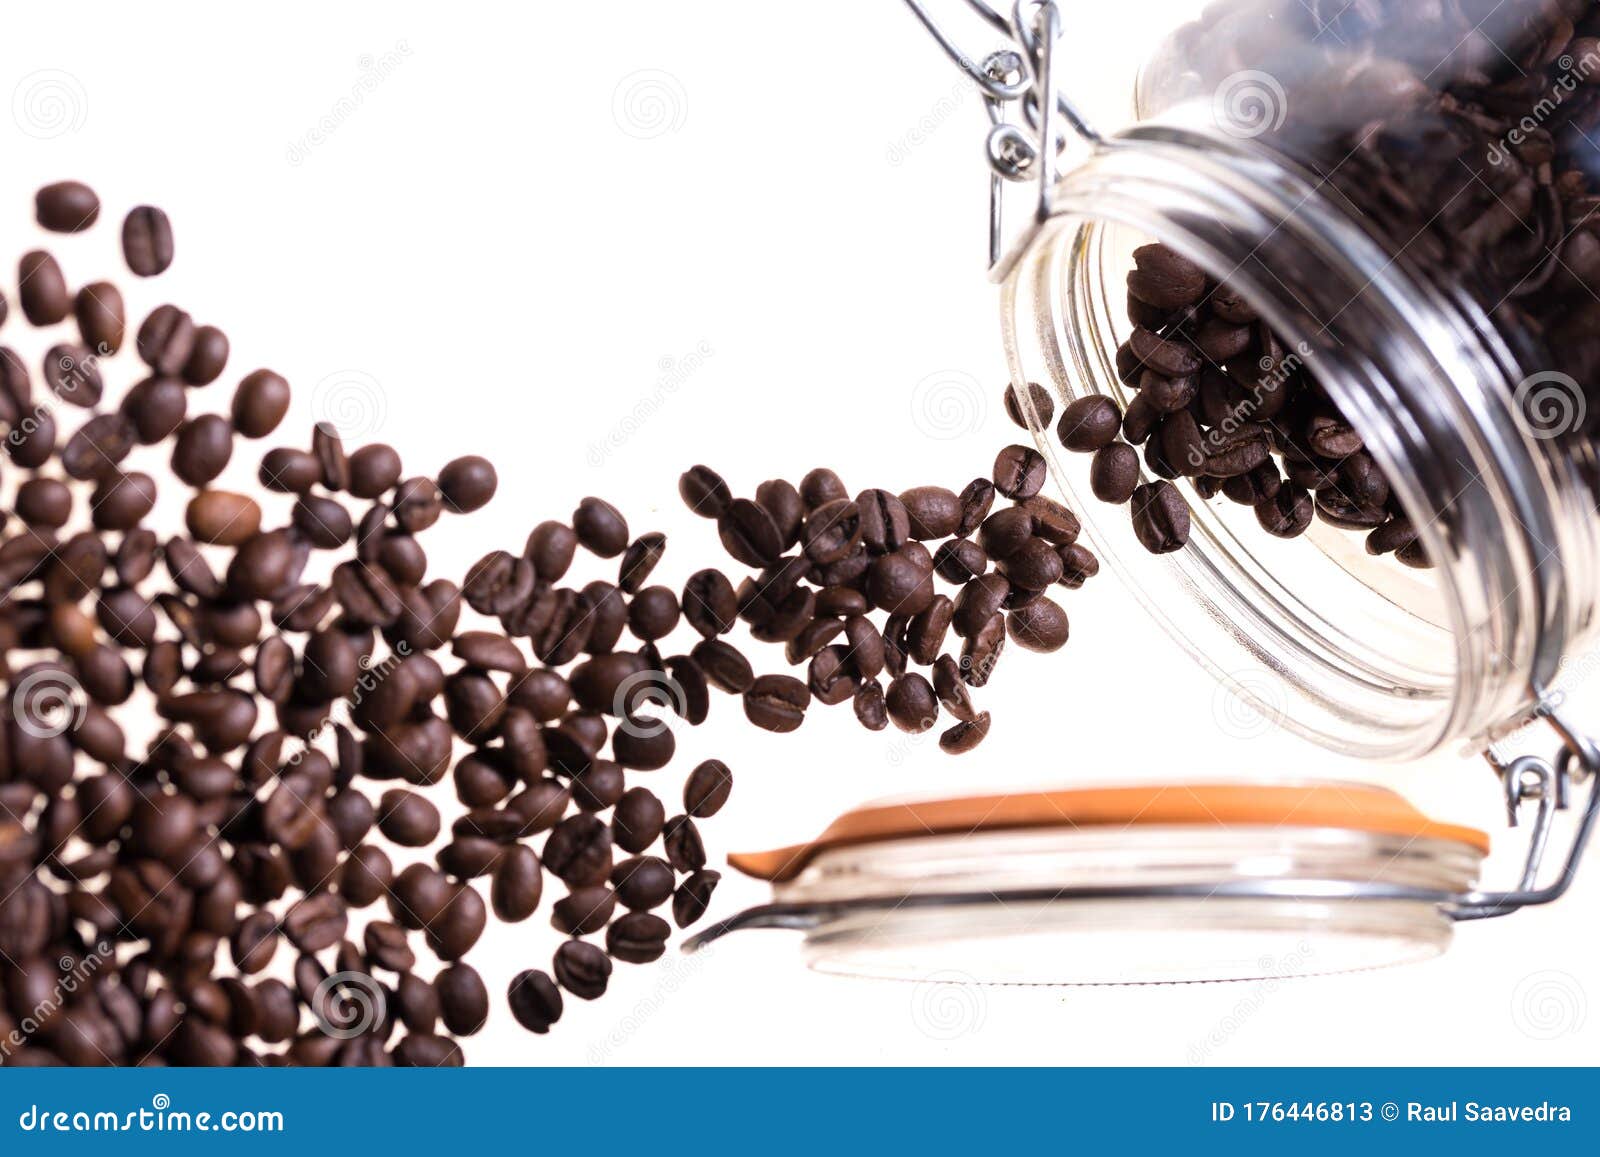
1358	653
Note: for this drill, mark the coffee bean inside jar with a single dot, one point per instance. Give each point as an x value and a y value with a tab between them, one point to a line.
1313	334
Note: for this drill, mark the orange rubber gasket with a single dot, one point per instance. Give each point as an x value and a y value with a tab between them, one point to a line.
1356	807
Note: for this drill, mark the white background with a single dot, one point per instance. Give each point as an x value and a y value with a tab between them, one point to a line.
598	243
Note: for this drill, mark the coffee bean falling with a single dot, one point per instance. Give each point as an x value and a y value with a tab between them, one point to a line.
847	585
313	689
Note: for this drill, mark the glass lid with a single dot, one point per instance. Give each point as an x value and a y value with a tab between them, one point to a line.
1122	885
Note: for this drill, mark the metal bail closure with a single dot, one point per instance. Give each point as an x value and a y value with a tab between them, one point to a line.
1547	786
1024	76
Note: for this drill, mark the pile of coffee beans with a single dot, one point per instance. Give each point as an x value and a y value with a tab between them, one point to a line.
1221	402
847	585
225	835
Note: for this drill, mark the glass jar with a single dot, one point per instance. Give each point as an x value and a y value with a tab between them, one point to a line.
1301	155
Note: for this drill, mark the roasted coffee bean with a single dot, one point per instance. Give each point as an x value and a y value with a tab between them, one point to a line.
1089	423
637	938
535	1000
1169	357
976	500
783	503
1167	395
1039	626
407	818
749	534
949	689
933	511
960	560
1005	531
707	788
1391	536
724	666
653	613
1331	437
222	518
912	705
1165	279
709	603
900	583
885	523
1052	521
820	487
582	969
1078	565
831	678
1019	472
1160	517
208	356
1039	398
643	882
518	884
776	702
966	735
42	289
165	340
1114	473
102	317
600	528
704	492
259	404
578	850
926	634
202	450
1287	514
584	910
66	207
981	652
978	602
832	531
147	241
468	483
637	820
693	897
1034	566
818	633
640	559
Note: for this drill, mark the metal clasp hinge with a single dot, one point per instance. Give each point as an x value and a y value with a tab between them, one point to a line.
1547	787
1022	76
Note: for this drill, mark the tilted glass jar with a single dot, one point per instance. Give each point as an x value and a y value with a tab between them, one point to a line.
1300	161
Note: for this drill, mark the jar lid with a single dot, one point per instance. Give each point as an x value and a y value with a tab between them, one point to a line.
1348	806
